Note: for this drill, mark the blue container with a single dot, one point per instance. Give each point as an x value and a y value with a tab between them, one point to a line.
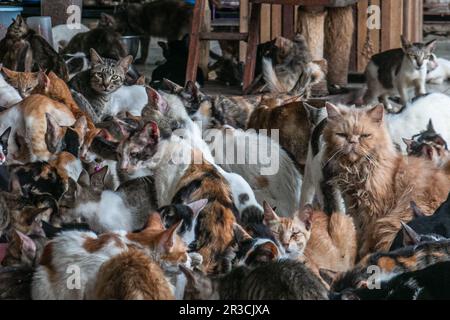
7	13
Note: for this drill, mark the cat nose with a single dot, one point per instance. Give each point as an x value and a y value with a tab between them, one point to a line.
353	140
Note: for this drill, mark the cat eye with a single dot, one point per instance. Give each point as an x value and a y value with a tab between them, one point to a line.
134	154
115	77
342	135
365	136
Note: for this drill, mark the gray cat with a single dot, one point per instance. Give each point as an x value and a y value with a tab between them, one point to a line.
98	83
289	280
397	71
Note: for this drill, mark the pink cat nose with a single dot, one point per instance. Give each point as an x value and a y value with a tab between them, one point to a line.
353	139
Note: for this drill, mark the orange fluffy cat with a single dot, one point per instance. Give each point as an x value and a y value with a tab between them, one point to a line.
377	182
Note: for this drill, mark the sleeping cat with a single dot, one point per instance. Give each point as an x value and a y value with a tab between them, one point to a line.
397	71
288	280
8	94
365	166
38	51
23	82
98	83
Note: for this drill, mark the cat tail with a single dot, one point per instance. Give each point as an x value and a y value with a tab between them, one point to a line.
270	77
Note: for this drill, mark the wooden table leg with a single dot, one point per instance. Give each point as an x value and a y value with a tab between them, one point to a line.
194	40
253	40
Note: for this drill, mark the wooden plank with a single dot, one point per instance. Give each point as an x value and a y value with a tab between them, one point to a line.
361	61
265	23
243	27
276	21
204	45
375	33
305	2
223	36
288	22
253	40
194	40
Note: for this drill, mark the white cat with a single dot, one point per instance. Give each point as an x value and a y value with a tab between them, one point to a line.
439	70
8	95
130	99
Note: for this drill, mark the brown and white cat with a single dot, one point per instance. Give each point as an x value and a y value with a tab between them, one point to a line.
85	253
398	70
377	182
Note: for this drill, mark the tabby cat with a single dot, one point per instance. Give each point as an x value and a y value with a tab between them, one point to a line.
35	53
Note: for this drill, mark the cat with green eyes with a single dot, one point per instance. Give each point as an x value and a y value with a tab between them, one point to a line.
96	85
395	72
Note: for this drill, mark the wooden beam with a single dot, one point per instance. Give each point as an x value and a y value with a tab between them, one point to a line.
223	36
276	21
253	40
194	40
288	21
328	3
361	60
243	27
265	23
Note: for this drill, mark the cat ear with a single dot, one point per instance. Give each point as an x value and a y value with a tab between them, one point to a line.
328	275
440	141
150	133
431	45
9	73
305	215
409	144
416	210
168	237
191	90
5	137
406	44
3	251
95	57
125	63
81	127
98	178
376	113
27	245
265	252
140	81
172	86
54	133
157	100
333	111
240	234
269	213
410	237
190	275
84	180
43	79
427	151
154	222
314	114
104	134
197	206
430	127
14	185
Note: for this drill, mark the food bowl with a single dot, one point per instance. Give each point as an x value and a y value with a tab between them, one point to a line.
131	44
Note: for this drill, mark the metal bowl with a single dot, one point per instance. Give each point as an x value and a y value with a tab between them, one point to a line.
131	44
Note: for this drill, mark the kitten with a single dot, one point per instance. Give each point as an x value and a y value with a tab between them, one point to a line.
132	275
9	95
391	264
288	280
364	164
397	71
98	83
168	19
4	137
23	82
292	233
438	70
38	51
433	226
89	251
297	63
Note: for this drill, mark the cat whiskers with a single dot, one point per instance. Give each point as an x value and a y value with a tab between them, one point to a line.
338	152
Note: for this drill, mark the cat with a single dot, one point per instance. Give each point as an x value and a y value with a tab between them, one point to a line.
24	250
37	51
169	19
23	82
425	226
132	275
15	283
427	284
365	166
98	83
89	251
76	63
297	63
174	68
104	40
438	70
396	71
63	33
288	280
4	137
292	233
227	69
8	94
391	264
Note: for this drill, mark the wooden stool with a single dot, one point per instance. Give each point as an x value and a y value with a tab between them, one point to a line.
252	37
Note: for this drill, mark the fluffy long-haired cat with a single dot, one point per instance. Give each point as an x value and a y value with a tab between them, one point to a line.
398	70
377	182
37	52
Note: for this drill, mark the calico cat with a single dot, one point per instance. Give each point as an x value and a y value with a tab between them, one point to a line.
104	40
132	275
8	94
89	251
289	280
398	70
38	51
422	225
391	264
168	19
98	83
23	82
427	284
297	61
364	164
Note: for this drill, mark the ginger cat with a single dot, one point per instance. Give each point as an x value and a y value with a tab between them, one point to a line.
376	181
23	82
